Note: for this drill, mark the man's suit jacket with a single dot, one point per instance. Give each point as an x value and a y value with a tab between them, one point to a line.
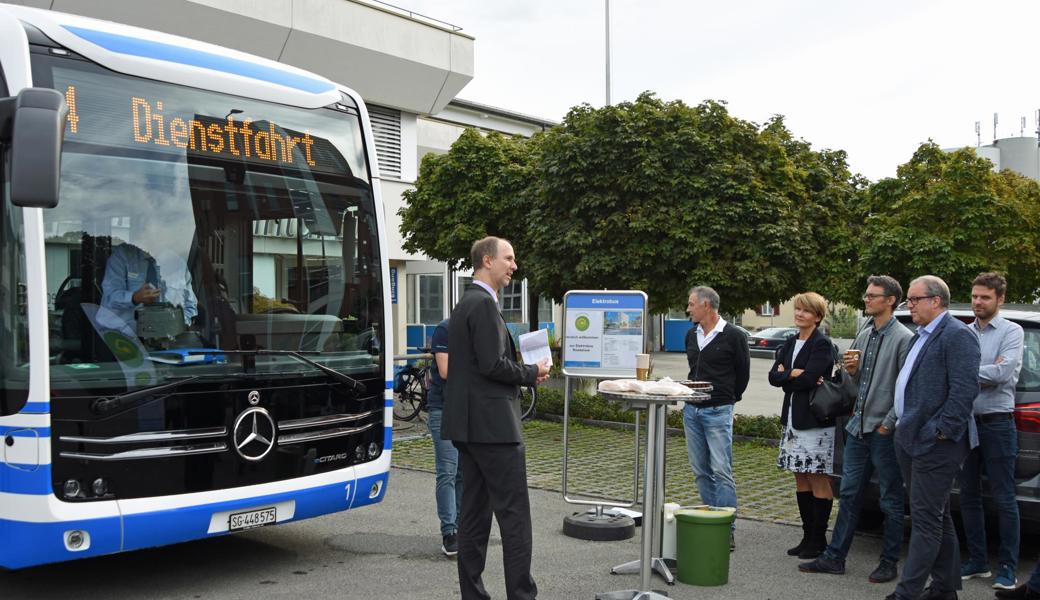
481	399
943	383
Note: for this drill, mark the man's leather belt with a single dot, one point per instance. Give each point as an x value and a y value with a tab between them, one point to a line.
994	417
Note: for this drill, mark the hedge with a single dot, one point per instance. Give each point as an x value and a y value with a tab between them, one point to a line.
586	406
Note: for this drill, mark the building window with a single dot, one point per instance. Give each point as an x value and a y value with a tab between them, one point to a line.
765	310
431	299
425	298
511	299
461	282
545	309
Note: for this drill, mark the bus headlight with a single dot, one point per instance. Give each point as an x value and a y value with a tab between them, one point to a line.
72	488
99	487
359	452
373	450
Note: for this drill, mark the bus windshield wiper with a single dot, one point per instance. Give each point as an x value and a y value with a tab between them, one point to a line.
113	403
353	384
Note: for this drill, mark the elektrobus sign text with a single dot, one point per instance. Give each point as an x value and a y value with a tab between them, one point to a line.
602	332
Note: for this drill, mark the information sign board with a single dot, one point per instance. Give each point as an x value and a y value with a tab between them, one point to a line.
602	332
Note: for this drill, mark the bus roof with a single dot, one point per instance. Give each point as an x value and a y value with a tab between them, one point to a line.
164	57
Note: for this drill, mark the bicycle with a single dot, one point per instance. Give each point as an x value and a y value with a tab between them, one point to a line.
411	391
528	398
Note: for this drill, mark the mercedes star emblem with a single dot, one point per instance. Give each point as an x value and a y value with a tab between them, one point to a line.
254	433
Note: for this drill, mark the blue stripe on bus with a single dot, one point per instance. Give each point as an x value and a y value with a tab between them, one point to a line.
36	407
389	384
25	431
388	403
182	524
19	479
133	46
364	488
388	437
28	544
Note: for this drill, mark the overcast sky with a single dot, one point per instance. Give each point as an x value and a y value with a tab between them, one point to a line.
873	78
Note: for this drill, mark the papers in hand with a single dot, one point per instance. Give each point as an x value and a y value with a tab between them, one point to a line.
534	347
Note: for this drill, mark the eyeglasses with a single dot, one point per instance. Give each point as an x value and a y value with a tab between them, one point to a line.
871	297
913	300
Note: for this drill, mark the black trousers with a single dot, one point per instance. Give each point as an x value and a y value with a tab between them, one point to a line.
933	542
495	477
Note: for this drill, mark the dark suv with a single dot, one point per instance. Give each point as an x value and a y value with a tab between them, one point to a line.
1027	414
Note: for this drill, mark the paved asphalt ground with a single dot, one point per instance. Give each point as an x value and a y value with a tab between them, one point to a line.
391	551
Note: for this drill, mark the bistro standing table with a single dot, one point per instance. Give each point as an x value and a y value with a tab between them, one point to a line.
653	491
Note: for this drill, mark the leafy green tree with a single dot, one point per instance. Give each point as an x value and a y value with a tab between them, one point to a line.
659	196
648	195
949	214
830	197
479	188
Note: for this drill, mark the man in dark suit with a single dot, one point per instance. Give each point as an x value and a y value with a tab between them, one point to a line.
934	393
482	417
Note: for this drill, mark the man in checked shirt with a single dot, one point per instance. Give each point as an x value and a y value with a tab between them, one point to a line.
1001	344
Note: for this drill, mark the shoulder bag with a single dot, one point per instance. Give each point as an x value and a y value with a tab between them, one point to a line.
829	400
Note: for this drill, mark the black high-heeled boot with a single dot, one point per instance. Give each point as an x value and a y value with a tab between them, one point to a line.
805	504
821	511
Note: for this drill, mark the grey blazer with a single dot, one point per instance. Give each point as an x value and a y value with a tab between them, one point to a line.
892	348
943	383
481	397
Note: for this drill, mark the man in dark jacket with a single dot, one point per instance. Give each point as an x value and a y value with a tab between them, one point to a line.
482	417
934	393
718	353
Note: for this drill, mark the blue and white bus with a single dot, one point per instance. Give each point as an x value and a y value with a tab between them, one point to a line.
194	292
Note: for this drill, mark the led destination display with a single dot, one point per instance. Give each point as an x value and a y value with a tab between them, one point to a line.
206	135
177	120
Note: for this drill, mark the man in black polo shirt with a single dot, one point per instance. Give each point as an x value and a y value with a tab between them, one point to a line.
718	353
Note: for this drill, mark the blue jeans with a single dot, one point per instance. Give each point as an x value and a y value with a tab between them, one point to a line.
448	490
874	452
1034	579
994	456
709	445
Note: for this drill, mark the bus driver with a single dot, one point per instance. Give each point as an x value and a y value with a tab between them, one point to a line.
134	279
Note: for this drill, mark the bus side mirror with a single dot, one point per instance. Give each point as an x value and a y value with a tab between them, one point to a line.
32	125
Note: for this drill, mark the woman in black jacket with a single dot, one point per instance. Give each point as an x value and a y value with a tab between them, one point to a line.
807	444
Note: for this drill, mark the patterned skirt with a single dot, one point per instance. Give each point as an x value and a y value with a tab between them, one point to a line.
806	450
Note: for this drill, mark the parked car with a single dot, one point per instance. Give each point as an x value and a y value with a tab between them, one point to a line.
1027	416
763	344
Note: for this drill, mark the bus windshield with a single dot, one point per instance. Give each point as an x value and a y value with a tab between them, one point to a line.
193	222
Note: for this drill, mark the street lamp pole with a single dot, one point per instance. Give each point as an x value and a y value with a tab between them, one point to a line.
607	21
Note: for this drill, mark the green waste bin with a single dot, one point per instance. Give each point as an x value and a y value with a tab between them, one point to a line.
702	544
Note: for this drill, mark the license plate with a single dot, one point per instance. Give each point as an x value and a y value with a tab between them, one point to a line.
253	518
